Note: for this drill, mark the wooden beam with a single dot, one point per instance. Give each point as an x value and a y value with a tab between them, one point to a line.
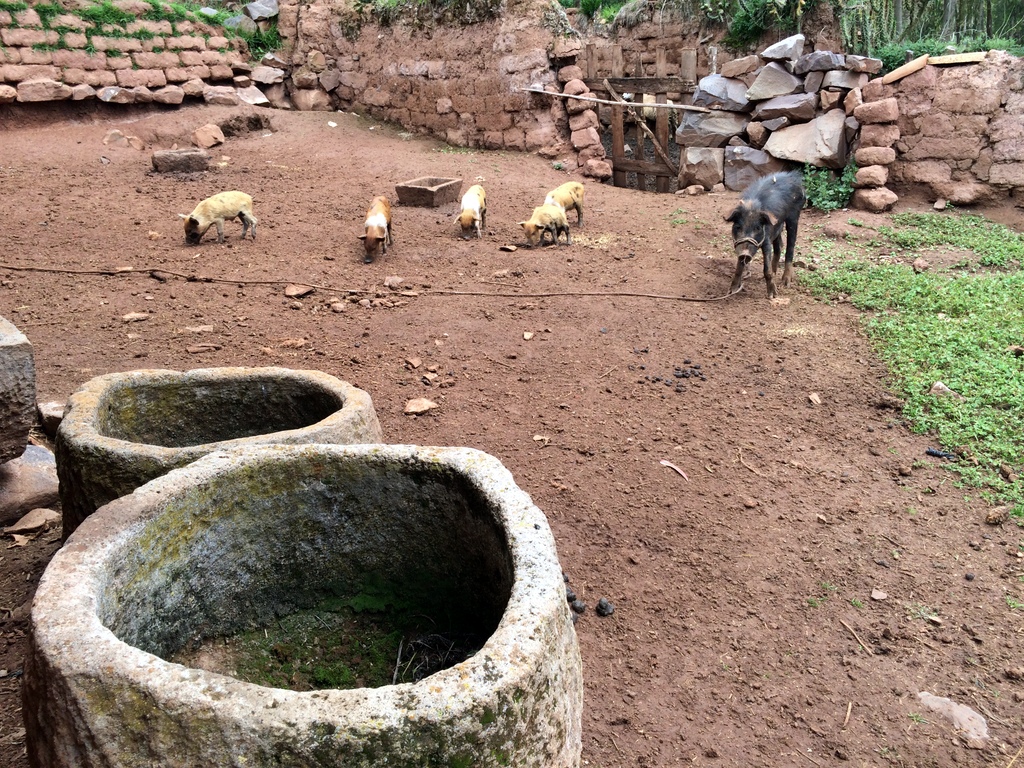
645	166
641	84
958	58
682	107
907	69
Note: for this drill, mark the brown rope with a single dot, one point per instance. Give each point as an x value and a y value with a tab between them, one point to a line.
202	279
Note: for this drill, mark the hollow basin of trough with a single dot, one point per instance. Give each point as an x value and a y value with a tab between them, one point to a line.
121	430
240	538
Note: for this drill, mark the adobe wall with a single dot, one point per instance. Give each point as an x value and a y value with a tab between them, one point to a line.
961	130
67	57
459	83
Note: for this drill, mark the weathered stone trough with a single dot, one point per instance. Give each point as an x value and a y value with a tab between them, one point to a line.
429	191
241	537
124	429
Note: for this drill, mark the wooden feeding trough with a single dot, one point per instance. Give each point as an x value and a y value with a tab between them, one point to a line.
429	191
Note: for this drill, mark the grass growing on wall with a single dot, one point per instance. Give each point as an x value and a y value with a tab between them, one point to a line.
114	22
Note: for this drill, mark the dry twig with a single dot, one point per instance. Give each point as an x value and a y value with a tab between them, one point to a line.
856	637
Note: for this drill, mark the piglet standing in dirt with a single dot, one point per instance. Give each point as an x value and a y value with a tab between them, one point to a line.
473	217
378	229
568	196
546	219
214	210
765	206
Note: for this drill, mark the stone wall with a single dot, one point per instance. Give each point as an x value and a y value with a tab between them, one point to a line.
460	83
960	130
46	57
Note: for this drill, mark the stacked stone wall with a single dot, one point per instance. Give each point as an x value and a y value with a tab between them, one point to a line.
46	57
462	84
960	130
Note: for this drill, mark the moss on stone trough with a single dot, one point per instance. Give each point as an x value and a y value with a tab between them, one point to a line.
243	539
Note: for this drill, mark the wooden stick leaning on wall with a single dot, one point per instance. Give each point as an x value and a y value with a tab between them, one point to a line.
619	103
643	124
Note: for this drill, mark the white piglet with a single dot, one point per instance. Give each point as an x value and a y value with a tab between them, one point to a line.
377	236
214	210
474	212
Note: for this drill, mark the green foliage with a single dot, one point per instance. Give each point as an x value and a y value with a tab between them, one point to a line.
427	12
955	327
994	244
826	191
261	42
47	12
895	54
13	6
106	13
753	18
590	8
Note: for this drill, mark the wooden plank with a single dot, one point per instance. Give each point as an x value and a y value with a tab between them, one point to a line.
592	54
959	58
656	168
639	137
661	115
641	84
688	66
618	129
555	94
907	69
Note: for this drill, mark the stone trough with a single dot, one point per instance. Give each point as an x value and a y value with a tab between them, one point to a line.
429	191
124	429
240	538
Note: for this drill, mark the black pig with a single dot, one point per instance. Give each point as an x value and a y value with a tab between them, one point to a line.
757	224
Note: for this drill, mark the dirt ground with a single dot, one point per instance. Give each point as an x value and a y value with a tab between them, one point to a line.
744	631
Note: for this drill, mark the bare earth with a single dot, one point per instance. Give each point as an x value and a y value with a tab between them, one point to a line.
744	631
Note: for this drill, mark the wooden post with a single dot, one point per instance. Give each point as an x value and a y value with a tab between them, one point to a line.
639	139
688	65
662	182
591	60
618	130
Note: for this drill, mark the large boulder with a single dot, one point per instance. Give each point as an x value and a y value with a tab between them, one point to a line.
717	92
181	160
709	129
701	165
773	80
821	142
745	165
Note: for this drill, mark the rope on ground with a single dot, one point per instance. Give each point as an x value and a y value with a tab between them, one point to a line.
154	271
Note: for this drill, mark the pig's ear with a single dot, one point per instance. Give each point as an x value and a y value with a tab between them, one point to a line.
182	216
362	237
522	224
771	218
735	213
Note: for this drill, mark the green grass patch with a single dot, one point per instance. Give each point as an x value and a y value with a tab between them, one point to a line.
994	244
106	13
374	638
827	190
954	326
13	7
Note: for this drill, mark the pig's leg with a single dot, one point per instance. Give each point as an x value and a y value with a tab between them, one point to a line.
769	273
791	225
220	230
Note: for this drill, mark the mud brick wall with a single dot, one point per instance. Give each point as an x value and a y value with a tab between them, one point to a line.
459	83
46	57
961	130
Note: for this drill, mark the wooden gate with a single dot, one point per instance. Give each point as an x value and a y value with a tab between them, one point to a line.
613	84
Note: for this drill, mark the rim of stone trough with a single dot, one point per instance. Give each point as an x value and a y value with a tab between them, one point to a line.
91	698
95	466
